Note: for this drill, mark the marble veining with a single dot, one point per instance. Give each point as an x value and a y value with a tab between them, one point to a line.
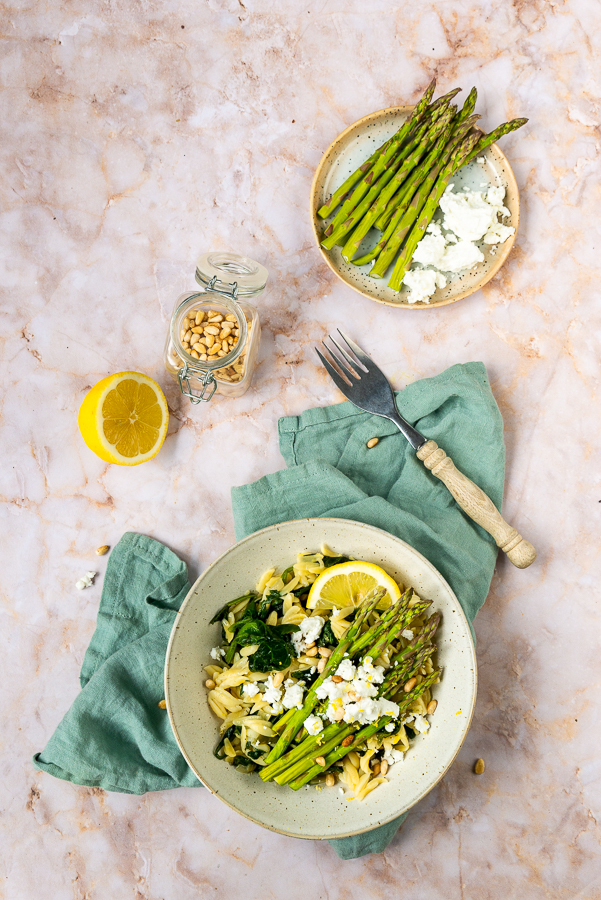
137	135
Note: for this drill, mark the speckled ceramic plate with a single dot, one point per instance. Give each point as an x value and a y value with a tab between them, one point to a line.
312	813
345	155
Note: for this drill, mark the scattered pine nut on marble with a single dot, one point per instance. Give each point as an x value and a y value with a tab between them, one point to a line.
479	766
100	551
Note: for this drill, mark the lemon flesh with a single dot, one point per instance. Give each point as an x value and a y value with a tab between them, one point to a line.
348	584
124	418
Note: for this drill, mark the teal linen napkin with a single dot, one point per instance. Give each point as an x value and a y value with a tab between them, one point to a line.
115	736
332	472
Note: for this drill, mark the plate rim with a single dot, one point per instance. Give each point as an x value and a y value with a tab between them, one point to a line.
313	207
172	637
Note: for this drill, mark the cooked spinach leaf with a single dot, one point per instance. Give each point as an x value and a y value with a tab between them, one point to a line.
272	602
334	560
328	638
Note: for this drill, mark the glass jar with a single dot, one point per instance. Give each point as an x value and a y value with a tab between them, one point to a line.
217	316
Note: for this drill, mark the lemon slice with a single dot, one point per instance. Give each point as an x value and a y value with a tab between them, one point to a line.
124	418
347	584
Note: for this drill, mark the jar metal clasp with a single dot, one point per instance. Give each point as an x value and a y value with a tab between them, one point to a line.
209	385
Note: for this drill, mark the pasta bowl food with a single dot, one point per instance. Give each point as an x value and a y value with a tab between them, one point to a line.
312	810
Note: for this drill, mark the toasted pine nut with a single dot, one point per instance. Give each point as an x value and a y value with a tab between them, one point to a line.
312	651
409	685
231	318
221	353
320	761
277	679
353	696
375	769
325	652
162	704
330	779
431	707
186	324
199	316
216	318
100	551
339	714
202	356
210	339
187	335
337	679
321	665
348	740
198	329
209	684
383	767
211	329
372	442
194	339
194	354
310	644
479	766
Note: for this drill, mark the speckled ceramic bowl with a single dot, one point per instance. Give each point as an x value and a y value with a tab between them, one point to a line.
346	153
312	813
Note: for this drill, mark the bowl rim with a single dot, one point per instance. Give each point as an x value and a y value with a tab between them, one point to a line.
187	600
313	206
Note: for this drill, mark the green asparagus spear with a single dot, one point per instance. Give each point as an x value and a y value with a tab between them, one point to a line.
296	721
352	180
428	210
357	214
377	161
487	139
301	774
441	131
403	220
393	157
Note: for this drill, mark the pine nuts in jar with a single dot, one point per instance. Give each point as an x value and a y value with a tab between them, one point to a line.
214	336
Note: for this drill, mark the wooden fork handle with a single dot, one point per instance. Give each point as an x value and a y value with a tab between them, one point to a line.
477	505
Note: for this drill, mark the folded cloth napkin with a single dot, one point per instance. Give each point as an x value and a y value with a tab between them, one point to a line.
115	736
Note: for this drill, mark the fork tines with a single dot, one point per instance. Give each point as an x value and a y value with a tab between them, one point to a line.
350	367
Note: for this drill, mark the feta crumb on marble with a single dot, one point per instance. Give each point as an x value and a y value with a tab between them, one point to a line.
85	581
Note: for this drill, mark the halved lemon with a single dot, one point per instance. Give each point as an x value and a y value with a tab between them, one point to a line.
124	418
347	584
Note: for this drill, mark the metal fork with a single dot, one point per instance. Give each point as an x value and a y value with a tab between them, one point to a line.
362	382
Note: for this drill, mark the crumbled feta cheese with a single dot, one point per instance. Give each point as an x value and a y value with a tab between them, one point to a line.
273	695
393	756
431	248
346	670
293	696
85	581
370	673
390	727
407	634
313	724
310	629
420	724
481	160
471	214
422	283
250	690
217	653
460	256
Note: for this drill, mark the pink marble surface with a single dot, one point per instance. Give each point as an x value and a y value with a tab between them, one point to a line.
136	135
